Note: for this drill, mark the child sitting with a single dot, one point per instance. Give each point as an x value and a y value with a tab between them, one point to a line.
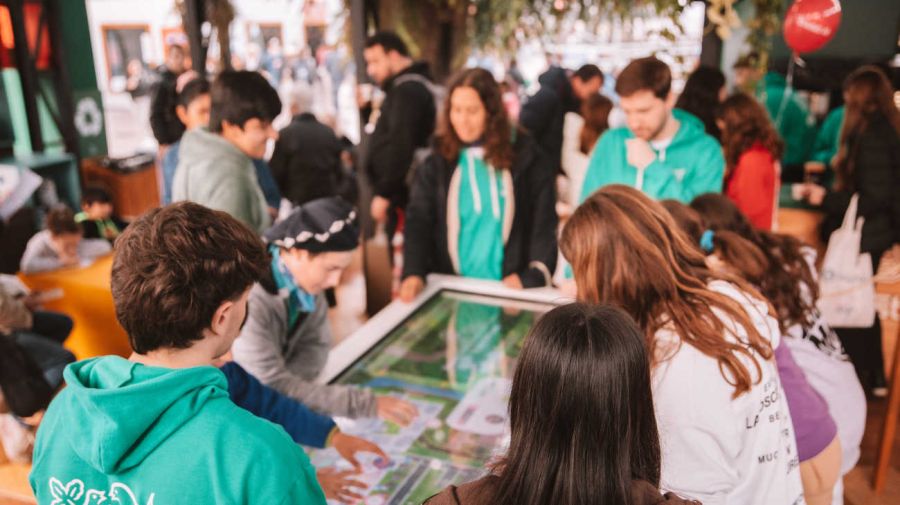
60	245
96	216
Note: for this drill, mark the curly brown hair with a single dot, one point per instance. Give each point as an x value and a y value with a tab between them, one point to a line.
746	122
174	267
498	147
742	257
788	282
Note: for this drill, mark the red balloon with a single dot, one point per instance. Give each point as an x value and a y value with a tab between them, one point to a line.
810	24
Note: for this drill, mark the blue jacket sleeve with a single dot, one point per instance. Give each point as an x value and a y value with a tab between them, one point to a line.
267	183
302	424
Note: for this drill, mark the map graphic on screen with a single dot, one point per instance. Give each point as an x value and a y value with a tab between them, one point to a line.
454	358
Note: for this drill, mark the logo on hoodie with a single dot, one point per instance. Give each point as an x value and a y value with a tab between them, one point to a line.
74	493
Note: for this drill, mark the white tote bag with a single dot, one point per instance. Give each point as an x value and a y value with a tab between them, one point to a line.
847	290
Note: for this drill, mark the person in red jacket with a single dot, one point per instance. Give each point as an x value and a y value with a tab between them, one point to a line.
752	149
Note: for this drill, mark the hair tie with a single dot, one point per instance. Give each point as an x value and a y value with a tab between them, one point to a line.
706	241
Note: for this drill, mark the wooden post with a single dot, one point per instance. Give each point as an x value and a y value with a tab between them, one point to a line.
889	431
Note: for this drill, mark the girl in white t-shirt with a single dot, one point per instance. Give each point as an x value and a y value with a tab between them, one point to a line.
725	429
789	281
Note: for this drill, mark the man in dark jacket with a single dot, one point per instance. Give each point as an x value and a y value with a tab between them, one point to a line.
167	129
544	113
306	162
405	122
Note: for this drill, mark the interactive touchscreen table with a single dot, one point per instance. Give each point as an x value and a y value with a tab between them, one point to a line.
452	352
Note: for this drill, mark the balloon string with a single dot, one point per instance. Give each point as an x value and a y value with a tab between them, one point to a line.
788	89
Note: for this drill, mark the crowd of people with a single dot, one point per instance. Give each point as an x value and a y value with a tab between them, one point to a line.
694	337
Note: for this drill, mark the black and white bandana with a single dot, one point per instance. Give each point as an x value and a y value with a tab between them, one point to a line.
322	225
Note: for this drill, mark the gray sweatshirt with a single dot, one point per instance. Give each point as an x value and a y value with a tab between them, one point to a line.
290	363
213	172
40	256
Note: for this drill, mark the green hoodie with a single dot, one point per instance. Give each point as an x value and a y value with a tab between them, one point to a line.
829	137
790	116
692	164
128	434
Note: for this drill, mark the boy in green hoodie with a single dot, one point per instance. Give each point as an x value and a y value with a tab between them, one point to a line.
663	152
159	427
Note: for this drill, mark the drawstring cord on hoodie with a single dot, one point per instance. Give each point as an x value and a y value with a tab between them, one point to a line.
473	184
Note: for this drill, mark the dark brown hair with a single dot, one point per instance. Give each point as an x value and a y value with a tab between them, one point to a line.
587	72
61	221
868	95
498	150
174	267
648	74
239	96
700	96
581	412
625	249
788	282
742	257
687	219
746	123
389	41
595	111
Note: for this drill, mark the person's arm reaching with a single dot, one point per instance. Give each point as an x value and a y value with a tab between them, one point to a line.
301	423
258	352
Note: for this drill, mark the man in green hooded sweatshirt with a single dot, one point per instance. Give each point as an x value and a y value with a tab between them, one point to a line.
664	152
159	427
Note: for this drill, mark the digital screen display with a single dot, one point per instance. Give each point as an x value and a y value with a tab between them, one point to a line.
453	357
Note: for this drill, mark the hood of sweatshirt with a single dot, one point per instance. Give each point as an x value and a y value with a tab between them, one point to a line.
200	145
125	410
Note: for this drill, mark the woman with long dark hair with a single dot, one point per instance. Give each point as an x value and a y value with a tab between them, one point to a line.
867	164
752	149
725	430
581	416
483	204
826	401
703	91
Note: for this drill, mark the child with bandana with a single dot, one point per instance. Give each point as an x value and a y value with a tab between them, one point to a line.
286	338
